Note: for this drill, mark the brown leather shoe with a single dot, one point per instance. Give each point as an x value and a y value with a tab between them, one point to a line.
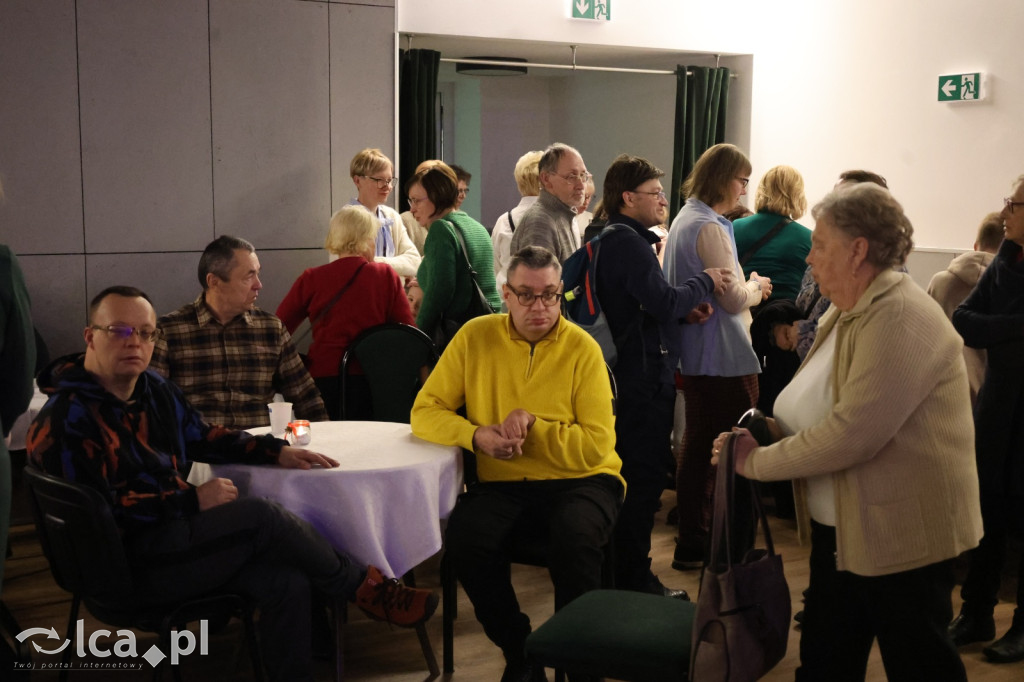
389	600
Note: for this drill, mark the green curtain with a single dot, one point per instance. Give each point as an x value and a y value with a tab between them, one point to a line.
417	113
701	102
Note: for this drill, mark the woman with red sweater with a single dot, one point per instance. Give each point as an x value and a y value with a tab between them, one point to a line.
341	299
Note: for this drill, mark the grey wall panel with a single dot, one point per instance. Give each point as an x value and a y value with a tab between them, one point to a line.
144	78
271	120
280	269
40	164
169	279
362	89
56	285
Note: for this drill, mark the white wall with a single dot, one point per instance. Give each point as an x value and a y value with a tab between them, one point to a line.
833	85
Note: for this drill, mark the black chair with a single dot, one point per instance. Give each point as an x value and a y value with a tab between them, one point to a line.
83	545
395	360
527	546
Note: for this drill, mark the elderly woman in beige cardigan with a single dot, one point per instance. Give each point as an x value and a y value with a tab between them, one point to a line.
877	427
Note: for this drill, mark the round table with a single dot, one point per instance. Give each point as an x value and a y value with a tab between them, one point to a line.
381	506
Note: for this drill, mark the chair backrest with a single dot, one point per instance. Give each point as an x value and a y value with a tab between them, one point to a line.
395	359
79	537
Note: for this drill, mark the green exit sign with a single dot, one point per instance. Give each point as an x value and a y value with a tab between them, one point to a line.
960	87
601	10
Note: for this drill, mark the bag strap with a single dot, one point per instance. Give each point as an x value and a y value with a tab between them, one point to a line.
721	522
327	308
765	238
469	265
511	223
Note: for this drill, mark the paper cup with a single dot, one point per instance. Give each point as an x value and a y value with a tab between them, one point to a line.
280	415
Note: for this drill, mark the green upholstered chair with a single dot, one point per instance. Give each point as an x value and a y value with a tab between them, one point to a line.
617	634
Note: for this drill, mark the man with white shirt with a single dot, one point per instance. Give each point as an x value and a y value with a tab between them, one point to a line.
374	177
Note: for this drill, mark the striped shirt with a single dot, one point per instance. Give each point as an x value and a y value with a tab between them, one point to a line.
230	372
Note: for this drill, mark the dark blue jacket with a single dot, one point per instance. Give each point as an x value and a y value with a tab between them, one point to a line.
644	311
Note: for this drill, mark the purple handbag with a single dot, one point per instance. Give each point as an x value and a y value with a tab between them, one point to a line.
742	624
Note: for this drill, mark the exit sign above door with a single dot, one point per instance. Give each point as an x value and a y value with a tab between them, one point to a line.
600	10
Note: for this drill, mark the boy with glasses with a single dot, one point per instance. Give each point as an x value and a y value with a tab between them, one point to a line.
374	177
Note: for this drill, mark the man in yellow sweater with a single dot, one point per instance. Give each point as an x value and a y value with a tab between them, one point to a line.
539	418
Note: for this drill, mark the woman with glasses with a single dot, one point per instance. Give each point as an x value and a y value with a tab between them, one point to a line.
992	317
341	299
718	367
373	175
450	289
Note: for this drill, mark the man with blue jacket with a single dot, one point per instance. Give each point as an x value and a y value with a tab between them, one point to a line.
644	313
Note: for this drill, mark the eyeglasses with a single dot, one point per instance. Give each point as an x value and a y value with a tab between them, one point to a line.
463	192
1010	203
123	332
744	181
413	200
381	182
526	298
661	195
574	179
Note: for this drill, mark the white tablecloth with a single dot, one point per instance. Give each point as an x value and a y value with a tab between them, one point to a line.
382	506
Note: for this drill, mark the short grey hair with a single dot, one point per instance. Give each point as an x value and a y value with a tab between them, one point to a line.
866	210
552	155
219	257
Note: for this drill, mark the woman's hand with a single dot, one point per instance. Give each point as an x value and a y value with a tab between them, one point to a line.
763	283
744	445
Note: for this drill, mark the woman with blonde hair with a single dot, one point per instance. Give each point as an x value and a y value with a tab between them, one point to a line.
771	242
341	299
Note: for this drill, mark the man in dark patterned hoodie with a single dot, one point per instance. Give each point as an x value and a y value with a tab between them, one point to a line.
114	425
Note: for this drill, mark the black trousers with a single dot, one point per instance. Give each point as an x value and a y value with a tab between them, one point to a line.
256	548
907	612
981	586
578	516
643	432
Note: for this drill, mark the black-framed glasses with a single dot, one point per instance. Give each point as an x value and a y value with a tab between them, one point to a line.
576	178
744	181
123	332
661	195
381	182
1010	203
526	298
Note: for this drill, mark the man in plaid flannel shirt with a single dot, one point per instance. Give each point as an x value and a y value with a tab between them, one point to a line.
228	356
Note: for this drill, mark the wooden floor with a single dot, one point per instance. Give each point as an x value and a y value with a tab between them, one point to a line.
374	651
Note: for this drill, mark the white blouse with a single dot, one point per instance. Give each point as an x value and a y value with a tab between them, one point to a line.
802	404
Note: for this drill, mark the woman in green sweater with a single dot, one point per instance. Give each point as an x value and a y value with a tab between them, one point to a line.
780	202
448	288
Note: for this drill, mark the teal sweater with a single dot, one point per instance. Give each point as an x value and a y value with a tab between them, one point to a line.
447	287
782	258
